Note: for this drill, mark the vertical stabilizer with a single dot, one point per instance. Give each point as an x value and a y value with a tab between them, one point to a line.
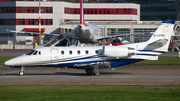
157	44
81	12
161	38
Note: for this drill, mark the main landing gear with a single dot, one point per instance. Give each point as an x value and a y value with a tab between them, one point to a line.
21	73
94	71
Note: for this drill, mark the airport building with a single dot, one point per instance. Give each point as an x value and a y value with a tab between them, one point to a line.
155	10
120	18
24	16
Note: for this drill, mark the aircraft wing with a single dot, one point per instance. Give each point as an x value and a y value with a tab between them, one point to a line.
114	36
65	27
32	33
104	26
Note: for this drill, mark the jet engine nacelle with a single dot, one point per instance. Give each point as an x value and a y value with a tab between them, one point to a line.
118	51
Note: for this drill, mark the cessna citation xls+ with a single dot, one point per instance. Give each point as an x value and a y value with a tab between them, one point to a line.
97	57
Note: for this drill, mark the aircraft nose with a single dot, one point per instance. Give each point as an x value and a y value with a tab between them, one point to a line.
10	62
80	26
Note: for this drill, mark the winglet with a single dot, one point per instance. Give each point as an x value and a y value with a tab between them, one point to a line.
169	21
81	12
7	30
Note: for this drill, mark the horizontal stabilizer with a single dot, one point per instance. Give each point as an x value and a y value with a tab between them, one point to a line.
145	57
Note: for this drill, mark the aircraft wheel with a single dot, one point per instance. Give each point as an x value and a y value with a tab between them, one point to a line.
97	74
89	71
21	73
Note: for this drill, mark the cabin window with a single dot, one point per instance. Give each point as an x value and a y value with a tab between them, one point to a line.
62	52
96	51
35	53
70	52
87	52
39	52
78	52
30	52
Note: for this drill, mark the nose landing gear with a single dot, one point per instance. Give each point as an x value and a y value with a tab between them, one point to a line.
21	73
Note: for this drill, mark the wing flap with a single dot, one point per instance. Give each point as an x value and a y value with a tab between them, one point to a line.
32	33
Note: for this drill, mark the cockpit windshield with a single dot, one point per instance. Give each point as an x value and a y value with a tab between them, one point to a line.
32	52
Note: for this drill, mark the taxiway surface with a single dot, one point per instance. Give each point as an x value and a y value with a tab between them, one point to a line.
124	75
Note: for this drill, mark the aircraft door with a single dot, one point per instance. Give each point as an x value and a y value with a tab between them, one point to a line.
54	56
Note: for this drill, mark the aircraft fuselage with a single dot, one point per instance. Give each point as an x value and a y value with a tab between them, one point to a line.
88	33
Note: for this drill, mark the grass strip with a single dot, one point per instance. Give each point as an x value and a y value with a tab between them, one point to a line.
88	93
5	58
162	60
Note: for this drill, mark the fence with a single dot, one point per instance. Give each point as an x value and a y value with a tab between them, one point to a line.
23	46
6	46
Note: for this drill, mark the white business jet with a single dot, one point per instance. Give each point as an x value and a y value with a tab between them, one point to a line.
97	57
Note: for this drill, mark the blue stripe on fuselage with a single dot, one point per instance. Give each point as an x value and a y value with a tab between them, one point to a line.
151	51
113	63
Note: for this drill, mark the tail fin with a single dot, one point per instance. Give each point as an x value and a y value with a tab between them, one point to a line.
81	12
157	44
161	38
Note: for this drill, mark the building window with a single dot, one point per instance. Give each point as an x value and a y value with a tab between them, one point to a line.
37	9
23	9
37	21
67	20
19	22
32	10
27	9
95	11
32	22
100	11
8	10
120	12
28	21
117	11
25	21
42	10
124	11
108	11
145	37
19	9
112	11
104	11
7	21
87	11
91	12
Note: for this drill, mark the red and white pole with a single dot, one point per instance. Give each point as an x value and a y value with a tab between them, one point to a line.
40	22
